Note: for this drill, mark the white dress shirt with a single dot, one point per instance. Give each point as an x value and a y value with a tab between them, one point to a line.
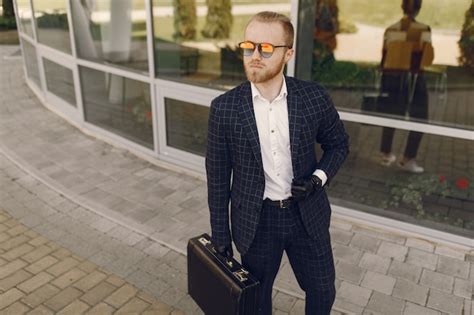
274	136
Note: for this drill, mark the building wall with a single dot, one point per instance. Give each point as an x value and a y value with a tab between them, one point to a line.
144	73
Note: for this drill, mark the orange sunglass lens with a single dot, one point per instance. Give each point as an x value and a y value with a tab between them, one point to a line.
247	45
267	48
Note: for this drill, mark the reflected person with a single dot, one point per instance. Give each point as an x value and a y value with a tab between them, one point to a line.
407	50
261	158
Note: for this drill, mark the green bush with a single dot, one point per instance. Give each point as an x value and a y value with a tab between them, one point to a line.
328	71
7	23
466	42
53	20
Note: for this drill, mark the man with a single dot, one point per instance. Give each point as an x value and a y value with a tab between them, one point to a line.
262	137
407	51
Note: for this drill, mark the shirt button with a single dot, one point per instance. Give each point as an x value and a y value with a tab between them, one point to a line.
278	174
273	131
270	109
274	153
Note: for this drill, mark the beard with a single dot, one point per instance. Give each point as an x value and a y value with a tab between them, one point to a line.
264	74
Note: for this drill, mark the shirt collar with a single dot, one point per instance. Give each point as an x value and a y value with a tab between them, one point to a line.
256	93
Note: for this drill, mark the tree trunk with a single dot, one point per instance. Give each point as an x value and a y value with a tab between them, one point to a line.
466	42
218	20
185	19
8	8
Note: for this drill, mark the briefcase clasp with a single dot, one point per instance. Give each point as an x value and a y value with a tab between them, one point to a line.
203	241
241	274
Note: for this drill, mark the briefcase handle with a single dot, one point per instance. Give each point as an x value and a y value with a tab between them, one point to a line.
207	243
239	273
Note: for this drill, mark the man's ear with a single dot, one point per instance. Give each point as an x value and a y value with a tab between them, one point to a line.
289	53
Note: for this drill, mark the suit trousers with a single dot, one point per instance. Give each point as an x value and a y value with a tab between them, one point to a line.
397	103
312	262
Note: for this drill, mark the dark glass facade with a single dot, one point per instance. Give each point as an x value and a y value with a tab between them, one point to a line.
52	24
59	81
118	104
111	32
186	126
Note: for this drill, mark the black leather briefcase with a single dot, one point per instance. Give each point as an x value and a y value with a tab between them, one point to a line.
219	286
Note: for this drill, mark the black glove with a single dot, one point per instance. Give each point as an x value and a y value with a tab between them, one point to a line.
302	189
225	251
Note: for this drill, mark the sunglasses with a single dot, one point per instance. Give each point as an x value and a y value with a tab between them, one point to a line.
265	49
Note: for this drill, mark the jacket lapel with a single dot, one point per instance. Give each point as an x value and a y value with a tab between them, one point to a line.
295	119
249	124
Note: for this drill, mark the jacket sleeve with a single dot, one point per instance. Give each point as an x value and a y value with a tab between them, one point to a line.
218	170
333	139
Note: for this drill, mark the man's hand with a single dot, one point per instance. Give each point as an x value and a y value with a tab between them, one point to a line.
225	251
302	189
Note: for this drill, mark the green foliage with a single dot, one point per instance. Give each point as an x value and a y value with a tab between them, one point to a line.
466	42
141	110
53	20
411	190
185	19
7	6
327	16
7	23
219	19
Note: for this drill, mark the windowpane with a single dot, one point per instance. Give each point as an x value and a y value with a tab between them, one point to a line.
59	81
118	104
25	16
186	126
52	24
377	61
196	42
111	32
441	197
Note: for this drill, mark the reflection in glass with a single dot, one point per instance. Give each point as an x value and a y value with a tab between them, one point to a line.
442	197
407	52
198	43
31	62
112	32
59	81
52	24
25	16
186	126
118	104
346	42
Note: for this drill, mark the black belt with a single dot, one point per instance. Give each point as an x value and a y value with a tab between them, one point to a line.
287	203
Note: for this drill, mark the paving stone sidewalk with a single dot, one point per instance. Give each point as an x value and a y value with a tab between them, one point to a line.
133	219
55	259
38	276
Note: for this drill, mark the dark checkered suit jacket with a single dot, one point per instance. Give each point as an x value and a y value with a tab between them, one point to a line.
234	164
